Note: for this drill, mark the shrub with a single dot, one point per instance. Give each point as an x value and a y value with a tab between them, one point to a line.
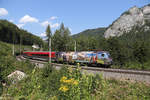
70	84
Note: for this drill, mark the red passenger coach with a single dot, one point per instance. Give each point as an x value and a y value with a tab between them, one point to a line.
41	55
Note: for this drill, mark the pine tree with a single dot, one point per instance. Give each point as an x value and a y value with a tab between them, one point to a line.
48	34
67	39
62	39
141	52
57	41
62	29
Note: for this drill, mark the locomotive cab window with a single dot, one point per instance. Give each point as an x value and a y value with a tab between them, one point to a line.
102	55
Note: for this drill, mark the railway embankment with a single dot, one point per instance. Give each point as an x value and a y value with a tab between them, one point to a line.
108	73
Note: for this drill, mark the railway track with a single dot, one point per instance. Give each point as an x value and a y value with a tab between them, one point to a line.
108	73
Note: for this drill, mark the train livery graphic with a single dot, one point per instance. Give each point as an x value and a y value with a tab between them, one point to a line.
39	55
83	57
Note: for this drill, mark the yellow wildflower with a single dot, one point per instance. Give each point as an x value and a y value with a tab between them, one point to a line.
67	81
75	82
63	88
63	79
72	79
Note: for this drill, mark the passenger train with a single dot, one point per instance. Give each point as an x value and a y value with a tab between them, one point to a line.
98	58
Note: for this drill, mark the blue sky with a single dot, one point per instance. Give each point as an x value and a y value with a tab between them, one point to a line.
77	15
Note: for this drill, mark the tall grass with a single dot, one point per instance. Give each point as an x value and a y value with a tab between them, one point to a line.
70	84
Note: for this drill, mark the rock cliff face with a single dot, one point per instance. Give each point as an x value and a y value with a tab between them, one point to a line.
133	17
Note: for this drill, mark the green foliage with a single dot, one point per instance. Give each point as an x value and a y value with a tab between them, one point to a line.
10	33
127	90
141	52
67	83
61	40
47	83
90	39
8	63
1	88
64	84
57	41
91	32
133	48
118	51
130	48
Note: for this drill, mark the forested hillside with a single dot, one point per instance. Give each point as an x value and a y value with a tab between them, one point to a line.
91	32
132	49
10	33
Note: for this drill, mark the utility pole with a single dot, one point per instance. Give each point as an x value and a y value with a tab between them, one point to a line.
50	51
20	44
49	35
13	51
75	47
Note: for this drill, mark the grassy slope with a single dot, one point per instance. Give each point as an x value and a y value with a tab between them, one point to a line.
50	84
8	62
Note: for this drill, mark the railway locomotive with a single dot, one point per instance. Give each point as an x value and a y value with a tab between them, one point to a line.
98	58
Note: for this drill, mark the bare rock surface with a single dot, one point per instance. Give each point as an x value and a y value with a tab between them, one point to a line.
133	17
16	76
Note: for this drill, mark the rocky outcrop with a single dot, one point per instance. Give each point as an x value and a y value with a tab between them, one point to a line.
133	17
16	76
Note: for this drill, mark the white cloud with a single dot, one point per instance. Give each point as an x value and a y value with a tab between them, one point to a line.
55	25
53	17
43	34
27	19
20	25
3	12
45	23
11	20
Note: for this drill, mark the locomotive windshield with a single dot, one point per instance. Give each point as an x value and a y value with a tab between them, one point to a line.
103	55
